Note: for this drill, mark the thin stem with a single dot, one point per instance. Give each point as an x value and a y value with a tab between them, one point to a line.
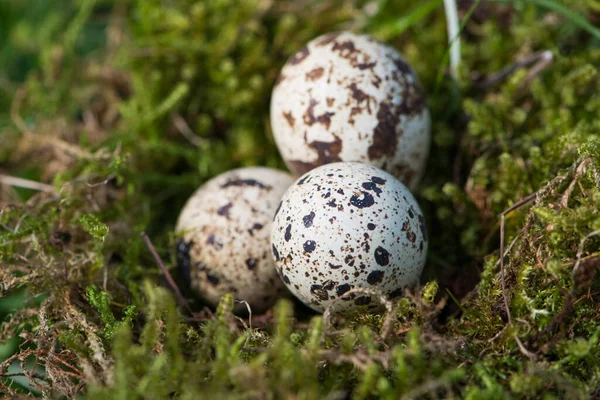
25	183
453	27
165	272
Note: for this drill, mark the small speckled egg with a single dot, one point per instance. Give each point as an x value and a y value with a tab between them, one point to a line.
348	97
224	230
348	225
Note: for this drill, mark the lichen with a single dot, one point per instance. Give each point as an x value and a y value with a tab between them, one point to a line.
123	111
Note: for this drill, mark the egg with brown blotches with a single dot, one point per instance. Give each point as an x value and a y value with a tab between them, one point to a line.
224	237
348	97
343	227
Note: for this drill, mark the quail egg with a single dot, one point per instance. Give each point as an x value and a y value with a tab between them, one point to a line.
348	225
348	97
224	236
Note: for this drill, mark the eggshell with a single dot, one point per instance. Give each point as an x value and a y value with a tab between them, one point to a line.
348	225
348	97
224	230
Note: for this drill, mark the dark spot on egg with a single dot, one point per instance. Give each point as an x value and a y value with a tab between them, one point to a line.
212	240
349	260
402	66
378	180
364	66
224	210
319	292
333	266
289	118
345	49
275	253
372	187
303	180
341	289
382	256
251	263
255	227
246	182
370	226
359	95
183	258
315	74
308	219
213	280
413	100
309	246
366	200
385	139
310	118
288	233
329	284
423	227
375	277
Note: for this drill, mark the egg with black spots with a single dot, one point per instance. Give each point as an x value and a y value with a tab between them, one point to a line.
348	97
223	233
344	226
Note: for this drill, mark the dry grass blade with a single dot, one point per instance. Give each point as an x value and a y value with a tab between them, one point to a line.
25	183
180	299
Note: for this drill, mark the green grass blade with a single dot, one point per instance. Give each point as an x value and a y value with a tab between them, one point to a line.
566	12
396	27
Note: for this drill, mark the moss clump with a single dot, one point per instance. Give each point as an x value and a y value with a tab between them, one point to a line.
125	110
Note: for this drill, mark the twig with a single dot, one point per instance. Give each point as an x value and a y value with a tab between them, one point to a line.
104	182
185	130
564	201
25	183
17	226
541	59
526	352
544	62
580	251
105	278
180	299
249	311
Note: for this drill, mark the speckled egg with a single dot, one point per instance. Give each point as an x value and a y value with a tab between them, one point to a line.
348	225
224	236
348	97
